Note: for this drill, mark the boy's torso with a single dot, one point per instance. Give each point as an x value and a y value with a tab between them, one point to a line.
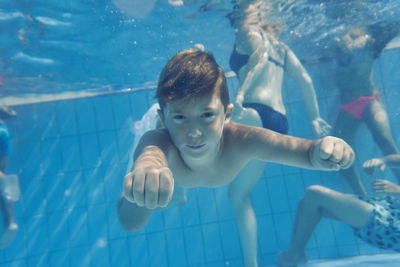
219	172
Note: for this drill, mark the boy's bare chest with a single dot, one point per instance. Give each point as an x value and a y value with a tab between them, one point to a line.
209	176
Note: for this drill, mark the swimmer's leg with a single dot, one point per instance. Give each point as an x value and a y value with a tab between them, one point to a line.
346	127
239	195
321	202
377	121
9	189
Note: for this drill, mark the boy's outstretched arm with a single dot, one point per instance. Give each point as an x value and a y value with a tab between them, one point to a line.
327	153
149	185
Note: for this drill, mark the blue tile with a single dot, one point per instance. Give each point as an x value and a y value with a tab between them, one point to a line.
119	251
33	192
66	118
139	254
223	205
230	239
278	195
58	231
173	218
295	189
55	192
157	252
99	254
35	261
344	234
194	245
114	227
212	241
283	222
75	194
36	241
156	222
97	230
190	212
85	116
176	248
347	251
104	113
312	178
29	154
78	227
207	207
59	258
71	154
260	199
79	256
272	170
125	142
367	249
113	176
47	121
17	263
108	148
330	252
324	234
90	151
14	163
234	262
301	125
94	186
267	235
27	117
51	161
122	110
139	104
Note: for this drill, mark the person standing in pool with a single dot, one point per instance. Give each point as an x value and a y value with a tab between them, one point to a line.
360	98
375	220
9	188
260	61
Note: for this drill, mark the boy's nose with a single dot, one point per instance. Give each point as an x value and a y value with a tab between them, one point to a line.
194	133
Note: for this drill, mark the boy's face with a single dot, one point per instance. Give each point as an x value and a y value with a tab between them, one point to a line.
196	126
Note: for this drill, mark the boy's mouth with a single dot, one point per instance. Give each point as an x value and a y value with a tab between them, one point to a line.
195	147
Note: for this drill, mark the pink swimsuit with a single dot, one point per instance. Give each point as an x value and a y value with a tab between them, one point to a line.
356	108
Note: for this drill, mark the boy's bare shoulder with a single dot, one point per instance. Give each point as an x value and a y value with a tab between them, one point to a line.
158	137
240	131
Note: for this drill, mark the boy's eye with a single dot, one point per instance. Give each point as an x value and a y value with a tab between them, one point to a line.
178	119
208	115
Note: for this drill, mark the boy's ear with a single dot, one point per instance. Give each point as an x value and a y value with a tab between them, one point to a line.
162	118
228	112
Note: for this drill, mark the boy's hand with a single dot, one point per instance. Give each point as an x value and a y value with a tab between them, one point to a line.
331	153
385	187
321	127
149	187
370	166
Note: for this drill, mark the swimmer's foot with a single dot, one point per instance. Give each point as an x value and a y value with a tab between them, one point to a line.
8	235
287	259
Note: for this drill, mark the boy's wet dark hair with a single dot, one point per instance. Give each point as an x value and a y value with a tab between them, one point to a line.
189	74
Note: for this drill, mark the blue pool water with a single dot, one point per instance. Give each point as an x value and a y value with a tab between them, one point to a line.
79	73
